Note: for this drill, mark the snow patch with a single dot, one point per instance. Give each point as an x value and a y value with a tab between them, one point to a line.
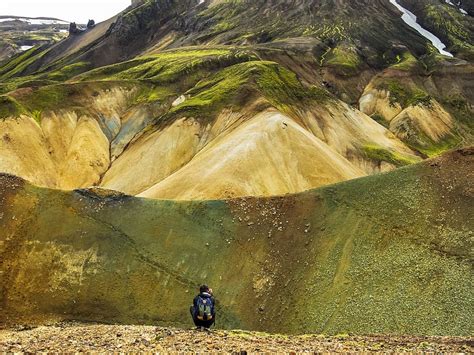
25	48
179	101
410	19
35	21
464	12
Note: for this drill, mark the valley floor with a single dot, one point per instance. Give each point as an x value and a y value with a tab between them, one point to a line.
74	337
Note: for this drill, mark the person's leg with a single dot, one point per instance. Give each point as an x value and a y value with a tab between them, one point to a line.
195	320
208	324
201	325
213	320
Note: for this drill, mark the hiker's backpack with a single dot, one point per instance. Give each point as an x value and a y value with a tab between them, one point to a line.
204	308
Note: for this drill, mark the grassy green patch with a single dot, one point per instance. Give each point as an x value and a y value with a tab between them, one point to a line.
68	71
278	85
345	60
149	94
379	154
380	120
50	97
438	148
36	114
208	96
406	96
425	145
222	27
10	107
169	66
12	78
17	65
14	83
405	61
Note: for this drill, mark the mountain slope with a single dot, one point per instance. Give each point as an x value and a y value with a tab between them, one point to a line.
340	26
347	36
175	114
269	155
389	253
166	86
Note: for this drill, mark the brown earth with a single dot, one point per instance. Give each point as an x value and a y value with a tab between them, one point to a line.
71	337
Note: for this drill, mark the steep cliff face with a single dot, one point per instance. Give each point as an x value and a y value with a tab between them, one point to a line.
389	253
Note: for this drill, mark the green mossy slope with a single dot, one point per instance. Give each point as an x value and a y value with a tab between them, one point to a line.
389	253
211	79
9	107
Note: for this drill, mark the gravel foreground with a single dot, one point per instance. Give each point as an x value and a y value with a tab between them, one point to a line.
74	337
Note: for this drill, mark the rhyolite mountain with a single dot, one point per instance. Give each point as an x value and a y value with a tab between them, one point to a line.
237	118
255	97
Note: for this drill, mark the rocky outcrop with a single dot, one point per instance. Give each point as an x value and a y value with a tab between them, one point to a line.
90	24
74	29
429	111
137	2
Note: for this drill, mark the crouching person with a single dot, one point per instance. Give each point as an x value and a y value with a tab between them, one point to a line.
202	310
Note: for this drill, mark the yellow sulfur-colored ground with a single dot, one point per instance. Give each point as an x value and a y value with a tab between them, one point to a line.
268	155
238	153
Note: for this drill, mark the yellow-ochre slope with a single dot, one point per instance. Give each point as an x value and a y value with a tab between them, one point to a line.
218	99
249	128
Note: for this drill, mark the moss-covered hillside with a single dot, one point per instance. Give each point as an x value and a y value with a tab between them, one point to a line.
352	36
274	132
450	21
390	253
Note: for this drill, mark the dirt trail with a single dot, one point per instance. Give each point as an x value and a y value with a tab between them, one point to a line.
73	337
